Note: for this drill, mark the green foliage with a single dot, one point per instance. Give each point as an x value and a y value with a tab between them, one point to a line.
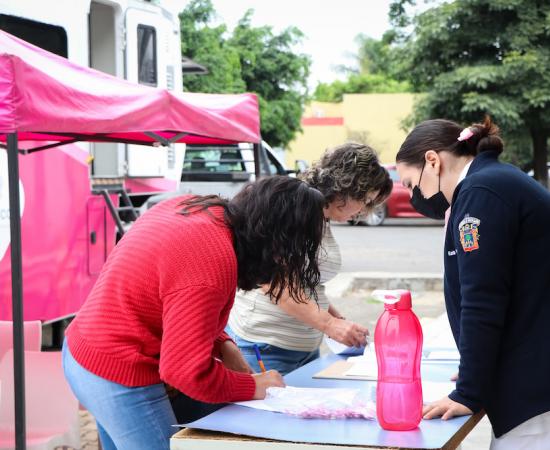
398	13
206	45
379	70
476	57
251	59
270	68
381	57
358	83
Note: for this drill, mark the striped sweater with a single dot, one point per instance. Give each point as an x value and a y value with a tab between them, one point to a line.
159	307
255	318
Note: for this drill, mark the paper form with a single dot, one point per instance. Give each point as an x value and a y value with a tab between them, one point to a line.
334	403
341	349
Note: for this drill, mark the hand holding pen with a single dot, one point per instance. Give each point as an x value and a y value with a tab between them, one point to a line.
266	379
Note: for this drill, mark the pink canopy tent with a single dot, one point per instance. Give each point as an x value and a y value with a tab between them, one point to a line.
44	97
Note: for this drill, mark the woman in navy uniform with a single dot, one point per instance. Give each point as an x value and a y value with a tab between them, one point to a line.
497	275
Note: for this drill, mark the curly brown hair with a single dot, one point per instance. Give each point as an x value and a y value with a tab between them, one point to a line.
350	170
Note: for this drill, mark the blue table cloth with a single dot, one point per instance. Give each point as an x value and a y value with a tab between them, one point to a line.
431	434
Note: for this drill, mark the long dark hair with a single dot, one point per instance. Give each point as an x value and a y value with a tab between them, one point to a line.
277	225
442	135
350	170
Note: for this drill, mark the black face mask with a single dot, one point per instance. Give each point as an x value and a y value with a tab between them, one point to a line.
433	207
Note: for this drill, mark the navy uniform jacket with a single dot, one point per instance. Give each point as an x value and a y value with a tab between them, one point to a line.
497	292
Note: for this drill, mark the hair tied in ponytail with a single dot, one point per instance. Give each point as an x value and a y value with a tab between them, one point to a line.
465	134
446	135
487	134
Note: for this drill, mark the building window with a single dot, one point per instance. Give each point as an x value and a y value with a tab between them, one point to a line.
147	55
48	37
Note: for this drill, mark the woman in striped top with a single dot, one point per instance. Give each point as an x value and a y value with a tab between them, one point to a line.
289	333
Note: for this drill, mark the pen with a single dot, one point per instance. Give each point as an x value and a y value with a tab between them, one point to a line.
259	358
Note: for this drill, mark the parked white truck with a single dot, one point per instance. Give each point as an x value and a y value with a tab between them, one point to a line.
223	170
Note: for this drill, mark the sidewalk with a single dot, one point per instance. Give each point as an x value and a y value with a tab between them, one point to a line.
88	432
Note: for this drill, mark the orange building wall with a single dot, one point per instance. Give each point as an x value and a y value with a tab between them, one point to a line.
375	119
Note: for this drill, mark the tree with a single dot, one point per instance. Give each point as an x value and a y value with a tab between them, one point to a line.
206	44
377	69
382	56
358	84
476	57
252	59
271	68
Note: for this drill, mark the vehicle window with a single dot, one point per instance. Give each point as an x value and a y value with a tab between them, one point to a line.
147	55
213	159
48	37
275	167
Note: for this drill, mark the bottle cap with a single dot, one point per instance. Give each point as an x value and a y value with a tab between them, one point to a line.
393	299
405	300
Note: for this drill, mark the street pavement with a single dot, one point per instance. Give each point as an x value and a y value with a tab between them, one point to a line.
399	245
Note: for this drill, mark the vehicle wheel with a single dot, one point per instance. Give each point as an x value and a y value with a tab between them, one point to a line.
358	220
377	216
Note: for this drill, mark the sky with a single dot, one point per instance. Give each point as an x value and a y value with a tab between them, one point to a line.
329	26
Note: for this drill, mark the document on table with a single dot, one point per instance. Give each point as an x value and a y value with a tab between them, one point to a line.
364	366
322	403
334	403
440	354
341	349
436	390
279	399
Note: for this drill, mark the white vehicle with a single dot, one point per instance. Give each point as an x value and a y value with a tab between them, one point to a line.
222	170
131	39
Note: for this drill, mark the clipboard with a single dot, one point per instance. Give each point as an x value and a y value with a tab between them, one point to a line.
337	370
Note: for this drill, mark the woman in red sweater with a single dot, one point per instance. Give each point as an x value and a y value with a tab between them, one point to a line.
158	309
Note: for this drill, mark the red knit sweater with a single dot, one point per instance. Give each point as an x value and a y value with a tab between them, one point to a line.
159	307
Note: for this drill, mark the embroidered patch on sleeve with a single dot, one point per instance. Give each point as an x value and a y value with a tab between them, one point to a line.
469	233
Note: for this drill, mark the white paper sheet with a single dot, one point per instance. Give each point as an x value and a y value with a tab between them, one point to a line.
316	402
441	355
334	402
433	390
341	349
364	366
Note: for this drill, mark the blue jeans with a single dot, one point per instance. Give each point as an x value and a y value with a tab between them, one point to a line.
274	358
128	418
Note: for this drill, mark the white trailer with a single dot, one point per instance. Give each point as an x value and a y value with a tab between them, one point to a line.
136	40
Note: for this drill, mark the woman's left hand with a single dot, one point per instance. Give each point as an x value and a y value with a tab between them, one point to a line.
446	408
233	359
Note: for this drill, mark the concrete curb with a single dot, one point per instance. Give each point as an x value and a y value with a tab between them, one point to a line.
349	283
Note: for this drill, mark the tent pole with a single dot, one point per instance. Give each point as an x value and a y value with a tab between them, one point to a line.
17	293
257	167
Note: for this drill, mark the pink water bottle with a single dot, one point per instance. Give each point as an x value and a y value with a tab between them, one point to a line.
398	343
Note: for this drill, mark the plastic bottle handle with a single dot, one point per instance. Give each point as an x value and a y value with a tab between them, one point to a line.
389	297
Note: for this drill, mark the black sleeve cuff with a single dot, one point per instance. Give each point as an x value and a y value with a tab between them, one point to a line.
472	404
